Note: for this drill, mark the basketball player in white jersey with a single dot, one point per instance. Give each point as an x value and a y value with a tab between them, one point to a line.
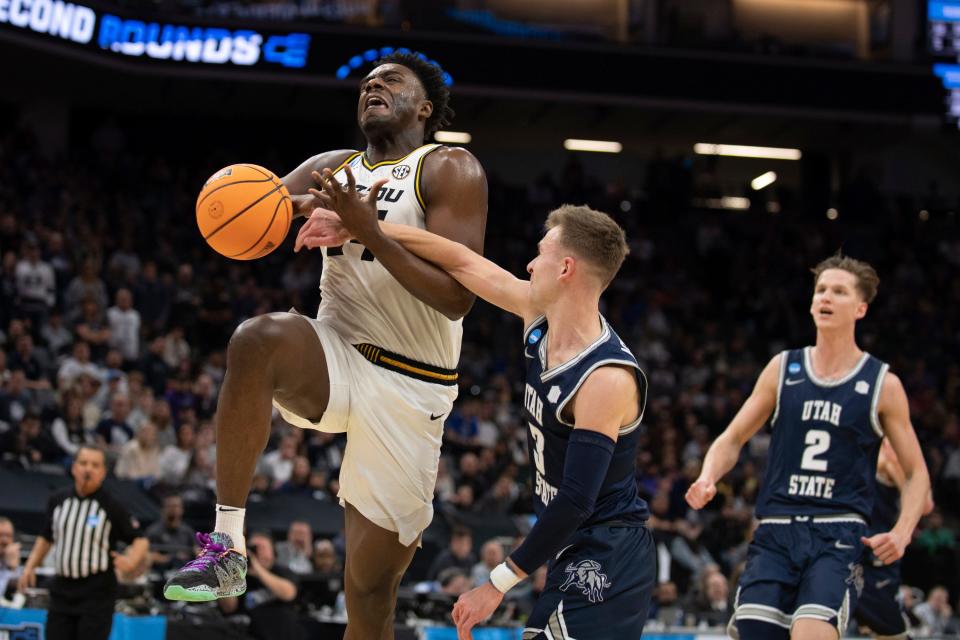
378	362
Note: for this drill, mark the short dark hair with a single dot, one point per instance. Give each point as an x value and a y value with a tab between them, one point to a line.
867	279
92	447
460	531
593	236
431	77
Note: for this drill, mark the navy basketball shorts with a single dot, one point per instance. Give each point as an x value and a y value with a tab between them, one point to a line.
598	588
799	567
878	607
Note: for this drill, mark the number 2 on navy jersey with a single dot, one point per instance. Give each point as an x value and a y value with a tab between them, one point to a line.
817	441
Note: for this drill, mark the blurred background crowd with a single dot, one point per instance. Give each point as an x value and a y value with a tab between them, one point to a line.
114	318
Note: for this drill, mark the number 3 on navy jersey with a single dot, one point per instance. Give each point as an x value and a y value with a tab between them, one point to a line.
537	448
817	441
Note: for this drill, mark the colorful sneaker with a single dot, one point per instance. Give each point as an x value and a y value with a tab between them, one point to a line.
218	571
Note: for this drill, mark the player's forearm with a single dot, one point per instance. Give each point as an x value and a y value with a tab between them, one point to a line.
913	501
429	283
720	459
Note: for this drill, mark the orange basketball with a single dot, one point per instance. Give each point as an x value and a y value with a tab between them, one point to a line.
244	211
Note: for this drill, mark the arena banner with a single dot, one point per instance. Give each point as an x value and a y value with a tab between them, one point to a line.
152	37
29	624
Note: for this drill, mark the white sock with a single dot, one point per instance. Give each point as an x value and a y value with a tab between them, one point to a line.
230	522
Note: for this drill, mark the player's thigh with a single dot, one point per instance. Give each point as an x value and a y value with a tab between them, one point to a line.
606	574
833	580
768	585
289	346
61	626
375	559
877	606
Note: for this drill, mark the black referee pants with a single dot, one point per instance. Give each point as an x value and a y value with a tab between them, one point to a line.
92	624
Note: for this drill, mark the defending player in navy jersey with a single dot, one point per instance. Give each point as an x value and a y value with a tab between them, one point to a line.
877	607
583	402
831	406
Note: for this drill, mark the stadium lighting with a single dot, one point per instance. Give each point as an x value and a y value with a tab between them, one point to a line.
734	202
599	146
832	214
764	180
453	137
743	151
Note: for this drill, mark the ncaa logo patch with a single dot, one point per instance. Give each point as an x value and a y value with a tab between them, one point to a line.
586	576
93	520
534	336
863	387
794	367
401	171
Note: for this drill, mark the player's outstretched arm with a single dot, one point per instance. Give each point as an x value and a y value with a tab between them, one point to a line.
300	180
606	401
725	450
894	413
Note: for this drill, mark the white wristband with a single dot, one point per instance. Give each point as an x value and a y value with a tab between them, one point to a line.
503	578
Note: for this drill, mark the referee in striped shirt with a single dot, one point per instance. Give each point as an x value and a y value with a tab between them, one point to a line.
83	524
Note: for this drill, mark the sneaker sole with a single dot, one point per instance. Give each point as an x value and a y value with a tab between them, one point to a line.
178	593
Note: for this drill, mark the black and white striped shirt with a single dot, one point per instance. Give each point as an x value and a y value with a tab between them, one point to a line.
83	531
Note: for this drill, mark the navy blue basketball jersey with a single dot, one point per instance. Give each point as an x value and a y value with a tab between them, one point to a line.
826	438
548	391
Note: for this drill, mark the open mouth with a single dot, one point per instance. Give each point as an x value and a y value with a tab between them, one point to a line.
825	313
374	101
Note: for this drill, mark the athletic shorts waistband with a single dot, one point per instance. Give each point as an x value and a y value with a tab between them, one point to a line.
822	519
405	366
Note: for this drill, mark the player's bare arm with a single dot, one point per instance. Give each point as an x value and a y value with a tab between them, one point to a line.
889	465
300	180
483	277
724	452
894	413
608	400
455	189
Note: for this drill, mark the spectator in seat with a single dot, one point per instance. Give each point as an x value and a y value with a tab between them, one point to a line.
271	590
491	554
294	553
171	540
458	554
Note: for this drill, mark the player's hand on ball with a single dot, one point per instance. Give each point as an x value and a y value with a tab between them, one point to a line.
700	493
473	607
358	215
888	547
322	229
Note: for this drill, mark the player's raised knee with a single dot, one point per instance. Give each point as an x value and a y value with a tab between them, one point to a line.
256	339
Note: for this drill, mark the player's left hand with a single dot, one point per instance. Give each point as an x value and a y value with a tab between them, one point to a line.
888	547
322	229
358	215
474	607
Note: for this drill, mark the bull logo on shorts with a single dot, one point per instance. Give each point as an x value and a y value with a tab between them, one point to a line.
586	575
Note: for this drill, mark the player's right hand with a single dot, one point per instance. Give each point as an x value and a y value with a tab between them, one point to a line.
28	580
700	493
322	229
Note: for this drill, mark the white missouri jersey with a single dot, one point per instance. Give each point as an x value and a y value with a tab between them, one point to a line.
360	299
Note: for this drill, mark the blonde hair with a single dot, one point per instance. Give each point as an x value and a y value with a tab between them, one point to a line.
867	279
593	236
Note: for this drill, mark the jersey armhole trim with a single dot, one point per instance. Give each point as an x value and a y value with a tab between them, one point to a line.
596	365
875	401
416	178
784	356
350	158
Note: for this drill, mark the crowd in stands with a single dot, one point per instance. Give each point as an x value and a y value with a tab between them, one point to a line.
114	318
